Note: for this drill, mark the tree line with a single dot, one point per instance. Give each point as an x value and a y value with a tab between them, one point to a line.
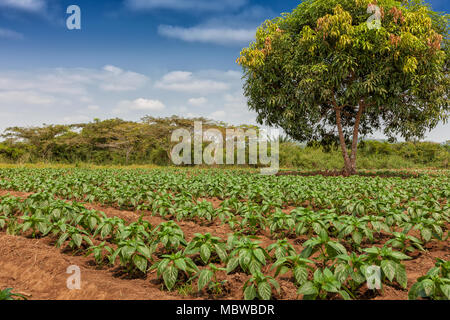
148	141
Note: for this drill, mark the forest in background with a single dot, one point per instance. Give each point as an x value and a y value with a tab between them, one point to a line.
120	142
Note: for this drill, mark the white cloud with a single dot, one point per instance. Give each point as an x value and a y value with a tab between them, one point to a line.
12	98
140	104
195	5
182	81
197	102
217	35
26	5
73	81
10	34
218	115
93	107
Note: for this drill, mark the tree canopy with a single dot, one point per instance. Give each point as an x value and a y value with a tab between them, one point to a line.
323	70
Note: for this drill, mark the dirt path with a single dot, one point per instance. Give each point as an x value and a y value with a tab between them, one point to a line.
36	269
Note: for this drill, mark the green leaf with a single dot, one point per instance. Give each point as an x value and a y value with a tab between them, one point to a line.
170	277
388	268
204	278
250	293
181	264
428	287
205	253
301	274
140	262
265	290
401	276
308	289
232	264
445	288
77	239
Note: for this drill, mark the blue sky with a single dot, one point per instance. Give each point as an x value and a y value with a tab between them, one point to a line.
131	58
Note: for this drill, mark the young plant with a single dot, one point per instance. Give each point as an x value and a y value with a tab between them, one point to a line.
249	255
208	278
101	252
170	235
323	283
280	222
434	285
405	242
390	263
207	245
77	238
329	249
7	294
133	254
351	269
37	223
282	249
108	227
259	287
172	266
300	267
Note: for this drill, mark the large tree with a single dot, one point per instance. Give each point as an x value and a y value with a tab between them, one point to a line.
322	69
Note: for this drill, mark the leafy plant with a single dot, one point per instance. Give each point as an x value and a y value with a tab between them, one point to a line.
281	248
172	266
133	254
322	285
7	294
434	285
300	267
249	255
260	286
405	242
390	263
208	278
206	245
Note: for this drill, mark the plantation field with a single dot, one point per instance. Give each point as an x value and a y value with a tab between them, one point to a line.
223	234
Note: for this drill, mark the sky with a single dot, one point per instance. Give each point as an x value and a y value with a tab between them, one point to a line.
132	58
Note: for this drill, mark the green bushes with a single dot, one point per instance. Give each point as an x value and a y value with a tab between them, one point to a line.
371	155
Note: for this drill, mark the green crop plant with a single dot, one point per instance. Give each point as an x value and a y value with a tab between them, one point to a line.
299	266
390	262
170	235
101	253
7	294
76	237
405	242
208	278
322	285
207	245
259	286
281	249
434	285
328	248
134	255
282	223
173	266
249	255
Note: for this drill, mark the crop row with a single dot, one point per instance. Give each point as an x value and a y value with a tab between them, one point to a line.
323	269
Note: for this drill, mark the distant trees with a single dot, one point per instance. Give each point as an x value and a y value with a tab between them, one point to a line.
108	141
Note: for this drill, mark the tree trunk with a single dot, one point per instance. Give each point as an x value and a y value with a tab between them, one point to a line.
347	162
355	137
